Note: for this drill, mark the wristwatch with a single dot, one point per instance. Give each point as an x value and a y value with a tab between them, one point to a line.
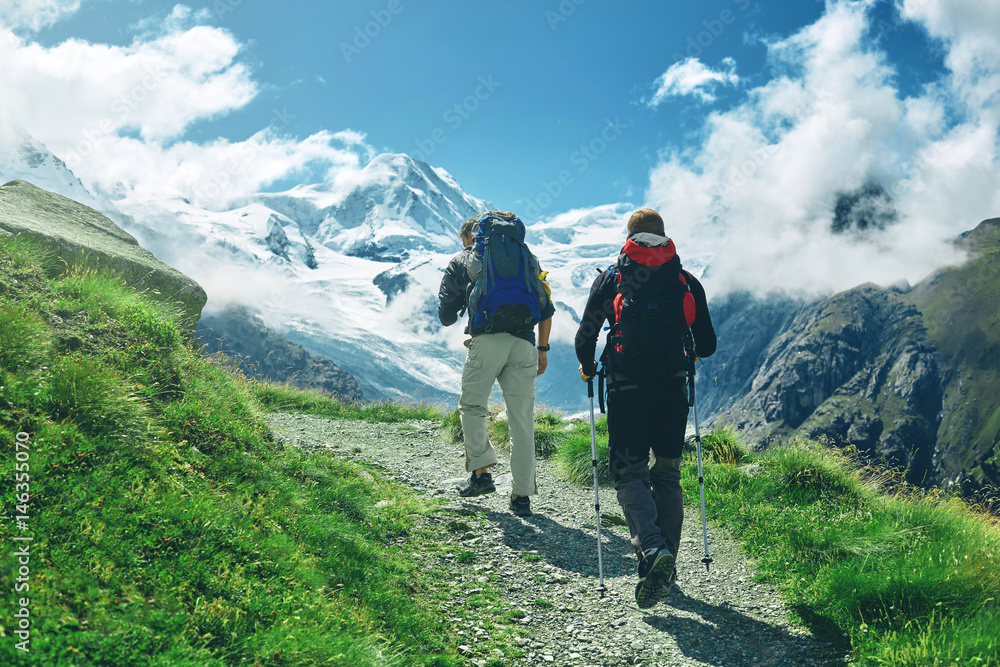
544	348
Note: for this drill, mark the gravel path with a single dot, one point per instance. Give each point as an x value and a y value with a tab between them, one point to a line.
722	617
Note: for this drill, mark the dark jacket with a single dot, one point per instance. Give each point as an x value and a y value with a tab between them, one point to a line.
601	308
453	297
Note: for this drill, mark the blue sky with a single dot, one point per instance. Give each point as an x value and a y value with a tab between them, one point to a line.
741	120
410	77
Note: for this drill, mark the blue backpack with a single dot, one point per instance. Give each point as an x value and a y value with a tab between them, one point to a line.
506	293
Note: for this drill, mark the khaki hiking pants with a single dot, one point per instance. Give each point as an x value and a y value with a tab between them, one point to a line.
513	362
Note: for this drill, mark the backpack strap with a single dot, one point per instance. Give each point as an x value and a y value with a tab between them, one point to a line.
491	278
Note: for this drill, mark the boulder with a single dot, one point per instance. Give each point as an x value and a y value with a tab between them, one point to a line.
79	235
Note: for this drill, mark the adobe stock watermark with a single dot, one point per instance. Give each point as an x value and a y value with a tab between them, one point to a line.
455	115
121	108
581	159
364	34
562	12
223	7
714	28
22	550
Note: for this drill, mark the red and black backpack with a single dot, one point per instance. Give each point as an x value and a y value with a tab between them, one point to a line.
654	310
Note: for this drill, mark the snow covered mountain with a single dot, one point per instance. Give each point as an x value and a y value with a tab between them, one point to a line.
399	207
351	273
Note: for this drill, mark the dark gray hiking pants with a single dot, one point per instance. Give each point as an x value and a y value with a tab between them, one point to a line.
643	417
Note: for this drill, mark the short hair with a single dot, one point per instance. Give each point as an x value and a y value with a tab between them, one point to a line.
646	220
467	228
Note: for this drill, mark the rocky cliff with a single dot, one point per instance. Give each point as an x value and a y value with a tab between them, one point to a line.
856	368
79	235
909	376
260	353
745	326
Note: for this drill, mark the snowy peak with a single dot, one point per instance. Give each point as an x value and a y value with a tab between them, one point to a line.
395	206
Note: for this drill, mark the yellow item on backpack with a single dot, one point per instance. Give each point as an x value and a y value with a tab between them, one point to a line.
545	283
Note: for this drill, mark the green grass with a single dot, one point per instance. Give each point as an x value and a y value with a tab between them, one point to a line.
575	454
892	575
550	430
284	398
169	527
724	445
901	579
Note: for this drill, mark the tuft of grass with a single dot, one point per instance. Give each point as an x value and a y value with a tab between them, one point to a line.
724	445
550	430
574	457
24	338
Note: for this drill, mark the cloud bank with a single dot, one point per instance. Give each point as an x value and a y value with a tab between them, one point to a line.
761	188
133	105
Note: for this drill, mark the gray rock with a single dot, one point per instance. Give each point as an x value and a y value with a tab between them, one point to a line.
81	236
261	353
856	368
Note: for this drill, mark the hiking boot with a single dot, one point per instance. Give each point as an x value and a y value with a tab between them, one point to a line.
521	506
478	485
655	570
669	584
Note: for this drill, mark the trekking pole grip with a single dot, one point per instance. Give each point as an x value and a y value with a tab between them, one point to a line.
590	388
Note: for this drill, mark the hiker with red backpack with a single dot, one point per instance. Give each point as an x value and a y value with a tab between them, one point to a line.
498	280
659	324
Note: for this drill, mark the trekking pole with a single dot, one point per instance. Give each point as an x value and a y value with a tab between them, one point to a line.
707	560
597	497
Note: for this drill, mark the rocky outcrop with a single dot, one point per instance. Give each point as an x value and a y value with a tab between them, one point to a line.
260	353
79	235
276	239
745	325
856	368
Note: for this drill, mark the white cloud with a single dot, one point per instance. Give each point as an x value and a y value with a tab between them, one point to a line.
34	15
759	190
157	87
212	175
118	115
692	77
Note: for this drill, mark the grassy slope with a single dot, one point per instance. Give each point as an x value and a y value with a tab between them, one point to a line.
960	310
895	576
169	528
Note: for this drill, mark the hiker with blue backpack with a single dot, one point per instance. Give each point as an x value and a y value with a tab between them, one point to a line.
498	281
659	325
